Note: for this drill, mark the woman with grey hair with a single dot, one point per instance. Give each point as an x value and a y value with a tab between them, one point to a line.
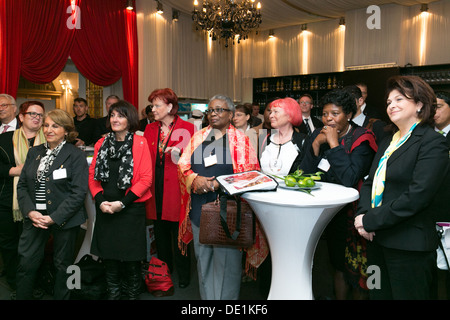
217	149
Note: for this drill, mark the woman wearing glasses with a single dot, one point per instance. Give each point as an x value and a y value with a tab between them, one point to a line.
14	146
51	193
216	150
166	138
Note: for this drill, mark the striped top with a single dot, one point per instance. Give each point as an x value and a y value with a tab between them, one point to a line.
40	196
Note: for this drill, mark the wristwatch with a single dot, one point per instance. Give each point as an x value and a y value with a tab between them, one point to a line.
122	205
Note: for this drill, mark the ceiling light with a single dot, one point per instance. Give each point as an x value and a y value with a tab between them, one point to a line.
271	33
224	19
304	27
424	7
130	5
175	15
342	21
159	7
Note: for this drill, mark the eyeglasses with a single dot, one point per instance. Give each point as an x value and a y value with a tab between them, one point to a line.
35	115
216	111
4	105
305	102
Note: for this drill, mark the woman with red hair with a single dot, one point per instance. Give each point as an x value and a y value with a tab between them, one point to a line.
282	153
167	137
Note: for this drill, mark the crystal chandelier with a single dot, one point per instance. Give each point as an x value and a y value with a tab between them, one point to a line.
227	19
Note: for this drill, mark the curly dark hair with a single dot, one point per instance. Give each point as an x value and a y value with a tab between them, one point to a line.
340	98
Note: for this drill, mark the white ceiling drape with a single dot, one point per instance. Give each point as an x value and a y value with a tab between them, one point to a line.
175	55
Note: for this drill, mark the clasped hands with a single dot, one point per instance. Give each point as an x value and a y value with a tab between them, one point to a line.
39	220
360	228
202	185
329	135
110	206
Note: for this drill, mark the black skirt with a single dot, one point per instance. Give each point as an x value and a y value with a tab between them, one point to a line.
120	236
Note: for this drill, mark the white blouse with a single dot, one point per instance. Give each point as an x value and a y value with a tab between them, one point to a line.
278	158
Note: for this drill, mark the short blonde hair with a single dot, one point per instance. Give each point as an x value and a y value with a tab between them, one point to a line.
63	119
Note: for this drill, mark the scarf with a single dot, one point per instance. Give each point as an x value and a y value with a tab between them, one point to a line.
21	147
107	151
379	178
244	159
47	160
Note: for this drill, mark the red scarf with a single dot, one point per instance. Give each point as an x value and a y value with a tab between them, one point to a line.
244	158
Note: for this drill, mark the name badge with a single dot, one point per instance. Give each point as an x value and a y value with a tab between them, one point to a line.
41	206
59	174
210	161
324	165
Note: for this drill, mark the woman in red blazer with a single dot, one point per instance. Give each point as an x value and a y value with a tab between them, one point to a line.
119	180
166	138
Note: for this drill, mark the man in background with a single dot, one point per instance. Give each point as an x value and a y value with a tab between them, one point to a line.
309	123
369	111
442	116
8	111
84	124
100	128
149	118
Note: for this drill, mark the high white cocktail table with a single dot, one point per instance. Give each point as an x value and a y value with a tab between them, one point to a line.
293	222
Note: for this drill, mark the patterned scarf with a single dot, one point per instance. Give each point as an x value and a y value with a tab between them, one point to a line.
47	160
107	151
244	159
379	179
21	147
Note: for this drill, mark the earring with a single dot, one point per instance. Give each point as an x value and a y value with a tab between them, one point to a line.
419	111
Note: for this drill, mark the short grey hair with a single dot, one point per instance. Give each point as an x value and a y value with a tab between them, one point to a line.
226	99
10	98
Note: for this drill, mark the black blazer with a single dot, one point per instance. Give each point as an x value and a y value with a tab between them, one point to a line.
65	197
7	161
414	176
316	122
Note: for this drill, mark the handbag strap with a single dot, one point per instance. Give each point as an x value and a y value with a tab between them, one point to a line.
440	234
223	216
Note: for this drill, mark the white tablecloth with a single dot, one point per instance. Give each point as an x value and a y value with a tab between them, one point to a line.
293	222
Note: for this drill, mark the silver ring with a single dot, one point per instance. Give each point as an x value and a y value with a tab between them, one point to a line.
204	190
325	127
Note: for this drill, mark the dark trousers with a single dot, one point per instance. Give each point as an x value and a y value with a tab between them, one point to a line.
404	275
166	237
31	253
9	240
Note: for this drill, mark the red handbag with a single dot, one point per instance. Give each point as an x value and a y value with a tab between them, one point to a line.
157	278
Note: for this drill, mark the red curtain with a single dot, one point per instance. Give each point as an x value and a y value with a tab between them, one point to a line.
46	39
38	36
11	29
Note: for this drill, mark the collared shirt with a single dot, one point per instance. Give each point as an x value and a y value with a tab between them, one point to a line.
310	123
12	125
359	120
445	130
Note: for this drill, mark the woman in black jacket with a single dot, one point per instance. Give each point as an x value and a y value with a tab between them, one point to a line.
395	211
51	193
343	151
